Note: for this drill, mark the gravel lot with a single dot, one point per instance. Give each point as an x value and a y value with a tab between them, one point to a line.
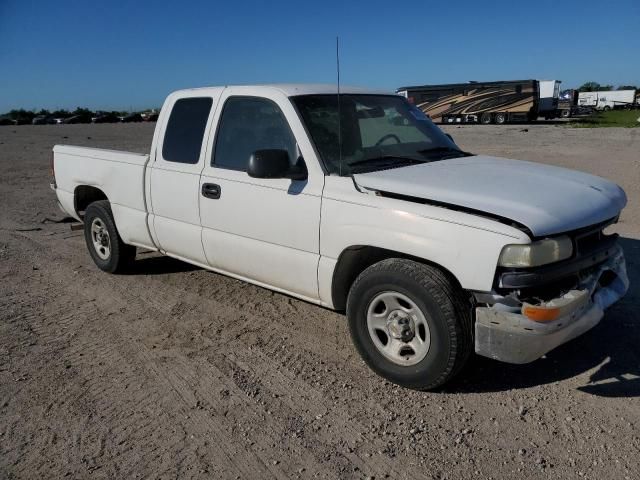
176	372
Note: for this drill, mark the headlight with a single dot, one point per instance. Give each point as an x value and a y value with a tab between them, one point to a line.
537	253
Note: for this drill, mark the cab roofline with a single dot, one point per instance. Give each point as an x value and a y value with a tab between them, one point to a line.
294	89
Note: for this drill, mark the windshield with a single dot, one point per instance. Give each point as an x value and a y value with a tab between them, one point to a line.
376	132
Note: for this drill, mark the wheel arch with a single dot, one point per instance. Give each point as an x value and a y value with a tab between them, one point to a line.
354	259
84	195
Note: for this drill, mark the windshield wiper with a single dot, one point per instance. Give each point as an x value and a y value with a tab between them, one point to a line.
444	151
385	160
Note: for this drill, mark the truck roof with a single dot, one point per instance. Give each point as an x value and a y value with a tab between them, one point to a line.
293	89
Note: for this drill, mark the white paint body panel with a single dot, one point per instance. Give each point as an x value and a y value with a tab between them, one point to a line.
289	235
174	190
120	175
466	245
265	229
546	199
247	232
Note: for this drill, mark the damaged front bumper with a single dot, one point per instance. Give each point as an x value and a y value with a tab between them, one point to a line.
503	332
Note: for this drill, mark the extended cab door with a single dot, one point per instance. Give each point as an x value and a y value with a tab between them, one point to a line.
263	230
174	178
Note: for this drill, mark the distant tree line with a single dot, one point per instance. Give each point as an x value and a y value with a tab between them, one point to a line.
596	87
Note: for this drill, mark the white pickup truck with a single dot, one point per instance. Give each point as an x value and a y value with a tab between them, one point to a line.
358	202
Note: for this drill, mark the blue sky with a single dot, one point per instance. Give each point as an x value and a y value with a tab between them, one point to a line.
129	54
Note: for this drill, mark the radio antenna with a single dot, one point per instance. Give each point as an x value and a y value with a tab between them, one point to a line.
339	113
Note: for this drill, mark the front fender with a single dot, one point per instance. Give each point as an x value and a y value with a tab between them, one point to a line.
468	246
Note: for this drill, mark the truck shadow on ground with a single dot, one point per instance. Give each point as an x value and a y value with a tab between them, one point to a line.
156	264
611	350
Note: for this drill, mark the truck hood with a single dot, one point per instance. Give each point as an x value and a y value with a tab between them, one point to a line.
545	199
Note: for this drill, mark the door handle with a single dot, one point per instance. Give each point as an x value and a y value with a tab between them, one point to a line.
211	190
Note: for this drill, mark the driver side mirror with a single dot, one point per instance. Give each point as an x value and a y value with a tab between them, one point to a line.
274	163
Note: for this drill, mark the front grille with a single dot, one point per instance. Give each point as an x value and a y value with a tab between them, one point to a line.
588	242
590	238
592	248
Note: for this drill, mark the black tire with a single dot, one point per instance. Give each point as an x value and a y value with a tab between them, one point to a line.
485	118
446	309
500	118
565	113
119	256
606	108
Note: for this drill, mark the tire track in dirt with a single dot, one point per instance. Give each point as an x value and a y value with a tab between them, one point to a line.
93	350
120	298
310	403
297	365
108	351
182	307
293	352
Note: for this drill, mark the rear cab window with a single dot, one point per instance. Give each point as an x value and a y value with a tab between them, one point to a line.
185	130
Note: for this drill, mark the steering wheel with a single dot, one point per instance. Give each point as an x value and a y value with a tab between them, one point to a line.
388	136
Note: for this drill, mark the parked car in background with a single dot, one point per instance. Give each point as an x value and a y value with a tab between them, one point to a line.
132	117
105	117
7	121
151	117
43	120
77	119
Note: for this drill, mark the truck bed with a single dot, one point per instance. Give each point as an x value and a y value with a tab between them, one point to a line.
119	175
102	154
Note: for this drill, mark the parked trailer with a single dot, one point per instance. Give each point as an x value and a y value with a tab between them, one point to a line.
607	100
485	102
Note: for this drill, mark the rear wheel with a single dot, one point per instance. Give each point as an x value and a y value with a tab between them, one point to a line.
410	323
106	248
500	118
485	118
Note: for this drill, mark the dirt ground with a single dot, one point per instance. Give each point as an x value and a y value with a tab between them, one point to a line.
176	372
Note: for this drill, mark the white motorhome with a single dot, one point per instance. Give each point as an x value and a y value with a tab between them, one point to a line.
607	100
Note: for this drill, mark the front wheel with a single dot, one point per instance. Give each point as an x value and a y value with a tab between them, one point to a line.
500	118
105	246
410	323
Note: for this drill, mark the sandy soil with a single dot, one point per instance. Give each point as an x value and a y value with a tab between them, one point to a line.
175	372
